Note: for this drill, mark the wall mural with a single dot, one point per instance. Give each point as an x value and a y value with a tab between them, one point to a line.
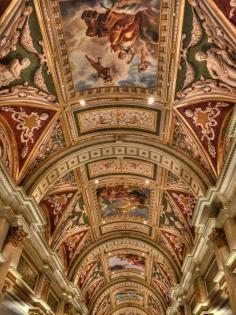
124	200
127	262
112	42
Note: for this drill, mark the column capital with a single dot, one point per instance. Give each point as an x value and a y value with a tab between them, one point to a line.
16	235
68	307
218	237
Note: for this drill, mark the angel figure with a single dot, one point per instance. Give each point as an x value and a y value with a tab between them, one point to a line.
144	62
102	72
219	64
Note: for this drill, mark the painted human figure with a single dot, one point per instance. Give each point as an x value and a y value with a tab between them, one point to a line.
122	29
143	66
12	71
102	72
220	65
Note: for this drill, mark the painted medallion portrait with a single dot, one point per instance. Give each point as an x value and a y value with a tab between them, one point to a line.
124	200
127	262
112	42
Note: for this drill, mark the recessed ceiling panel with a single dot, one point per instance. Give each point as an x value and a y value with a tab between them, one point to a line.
112	42
124	200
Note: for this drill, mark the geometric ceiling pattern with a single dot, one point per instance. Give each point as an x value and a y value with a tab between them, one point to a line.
114	116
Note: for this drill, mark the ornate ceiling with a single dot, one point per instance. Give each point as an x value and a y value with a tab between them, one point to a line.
114	117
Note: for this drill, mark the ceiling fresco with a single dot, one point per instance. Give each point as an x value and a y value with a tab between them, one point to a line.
115	117
112	42
128	201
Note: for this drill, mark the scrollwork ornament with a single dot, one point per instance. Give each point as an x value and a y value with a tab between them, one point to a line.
9	41
205	86
26	91
217	34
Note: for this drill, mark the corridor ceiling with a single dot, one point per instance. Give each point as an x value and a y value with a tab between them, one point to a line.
113	116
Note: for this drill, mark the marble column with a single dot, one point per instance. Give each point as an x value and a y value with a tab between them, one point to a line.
42	288
200	290
222	252
12	250
4	227
187	310
230	232
61	308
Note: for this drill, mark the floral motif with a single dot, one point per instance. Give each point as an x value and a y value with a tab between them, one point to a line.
57	202
183	141
54	144
72	243
174	180
196	36
187	204
27	124
6	150
172	219
121	166
206	120
8	42
162	279
93	289
26	39
175	245
86	272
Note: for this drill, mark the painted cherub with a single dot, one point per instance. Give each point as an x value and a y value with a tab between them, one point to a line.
144	62
102	72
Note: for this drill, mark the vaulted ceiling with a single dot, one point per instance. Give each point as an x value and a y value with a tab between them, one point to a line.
114	116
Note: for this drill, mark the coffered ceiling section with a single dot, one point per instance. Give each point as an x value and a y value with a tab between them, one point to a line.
114	116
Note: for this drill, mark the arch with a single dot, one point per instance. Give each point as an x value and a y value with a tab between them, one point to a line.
120	239
80	154
130	306
126	282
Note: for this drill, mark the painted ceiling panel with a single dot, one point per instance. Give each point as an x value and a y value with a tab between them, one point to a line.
114	116
112	43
